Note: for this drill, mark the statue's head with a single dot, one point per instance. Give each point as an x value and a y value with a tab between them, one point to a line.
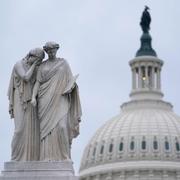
51	49
36	54
146	8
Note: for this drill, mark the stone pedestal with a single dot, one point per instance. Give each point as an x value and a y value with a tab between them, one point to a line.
38	170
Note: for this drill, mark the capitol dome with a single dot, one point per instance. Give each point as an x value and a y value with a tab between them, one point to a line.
143	141
144	136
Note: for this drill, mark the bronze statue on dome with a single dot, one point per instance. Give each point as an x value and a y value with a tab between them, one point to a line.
145	20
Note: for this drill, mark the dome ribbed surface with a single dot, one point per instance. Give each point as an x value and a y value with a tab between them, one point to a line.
142	131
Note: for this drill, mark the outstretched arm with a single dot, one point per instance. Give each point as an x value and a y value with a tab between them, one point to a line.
35	92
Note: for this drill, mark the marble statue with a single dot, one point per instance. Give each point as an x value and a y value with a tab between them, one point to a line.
56	97
25	143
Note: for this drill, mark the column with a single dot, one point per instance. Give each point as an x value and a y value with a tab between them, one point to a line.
139	77
158	78
147	79
152	77
134	83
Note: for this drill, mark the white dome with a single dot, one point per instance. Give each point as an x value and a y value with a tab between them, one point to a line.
155	125
146	130
143	141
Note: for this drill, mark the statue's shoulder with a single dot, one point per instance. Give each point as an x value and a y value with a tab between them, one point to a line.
64	61
18	63
61	59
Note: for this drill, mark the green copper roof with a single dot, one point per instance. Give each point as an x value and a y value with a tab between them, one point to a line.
146	48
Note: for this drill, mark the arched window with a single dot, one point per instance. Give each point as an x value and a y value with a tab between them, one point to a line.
110	147
94	152
102	149
143	145
177	146
166	145
132	145
155	144
121	146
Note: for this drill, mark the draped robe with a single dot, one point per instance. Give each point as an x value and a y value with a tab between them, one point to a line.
25	142
59	113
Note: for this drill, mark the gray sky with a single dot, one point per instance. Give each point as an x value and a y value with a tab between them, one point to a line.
98	38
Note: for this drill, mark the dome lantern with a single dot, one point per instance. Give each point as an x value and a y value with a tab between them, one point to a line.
146	77
146	67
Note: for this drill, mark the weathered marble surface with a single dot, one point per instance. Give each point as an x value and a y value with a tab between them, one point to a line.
25	142
56	97
40	170
44	102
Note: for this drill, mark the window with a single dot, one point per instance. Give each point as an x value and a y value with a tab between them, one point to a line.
110	147
166	145
121	146
102	149
143	145
177	146
155	144
132	145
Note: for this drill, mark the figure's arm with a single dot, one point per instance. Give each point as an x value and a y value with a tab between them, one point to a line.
21	72
35	92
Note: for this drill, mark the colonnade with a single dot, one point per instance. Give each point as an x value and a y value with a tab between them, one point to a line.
146	77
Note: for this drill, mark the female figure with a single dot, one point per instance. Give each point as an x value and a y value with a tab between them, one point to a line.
59	109
25	143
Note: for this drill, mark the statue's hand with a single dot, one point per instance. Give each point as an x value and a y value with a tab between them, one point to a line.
70	90
67	93
36	63
34	102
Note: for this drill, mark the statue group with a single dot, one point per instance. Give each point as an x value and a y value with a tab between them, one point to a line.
44	102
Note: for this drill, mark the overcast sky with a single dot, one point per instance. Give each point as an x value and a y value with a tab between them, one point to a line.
98	38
